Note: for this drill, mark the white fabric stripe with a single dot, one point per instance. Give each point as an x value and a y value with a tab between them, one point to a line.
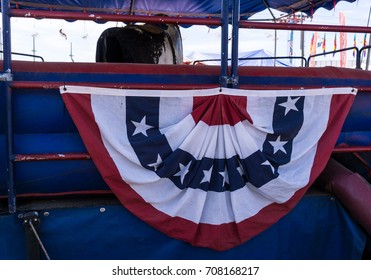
261	112
191	204
173	110
205	92
204	207
217	141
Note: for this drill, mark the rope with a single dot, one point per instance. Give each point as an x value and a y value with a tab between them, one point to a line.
38	239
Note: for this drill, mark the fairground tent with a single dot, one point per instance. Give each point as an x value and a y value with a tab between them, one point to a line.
251	58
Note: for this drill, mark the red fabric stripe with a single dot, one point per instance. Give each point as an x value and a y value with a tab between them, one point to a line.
220	109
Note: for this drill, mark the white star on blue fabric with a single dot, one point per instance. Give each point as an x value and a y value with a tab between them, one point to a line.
290	104
207	175
278	145
267	163
157	163
225	176
183	171
141	127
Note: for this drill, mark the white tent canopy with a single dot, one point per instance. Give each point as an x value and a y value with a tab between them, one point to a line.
257	58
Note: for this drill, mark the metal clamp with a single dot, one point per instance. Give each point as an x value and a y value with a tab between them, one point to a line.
227	80
233	80
7	76
31	222
31	218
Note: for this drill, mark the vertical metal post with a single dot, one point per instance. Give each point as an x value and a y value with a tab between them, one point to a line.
368	51
6	78
275	48
369	39
302	46
34	35
358	59
6	35
9	151
235	31
224	45
291	45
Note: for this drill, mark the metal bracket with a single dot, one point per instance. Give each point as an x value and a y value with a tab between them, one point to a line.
227	80
31	222
233	80
31	217
7	76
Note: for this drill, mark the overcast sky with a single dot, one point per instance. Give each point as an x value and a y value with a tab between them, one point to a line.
81	37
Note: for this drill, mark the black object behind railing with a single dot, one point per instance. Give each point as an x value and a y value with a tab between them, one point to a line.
28	55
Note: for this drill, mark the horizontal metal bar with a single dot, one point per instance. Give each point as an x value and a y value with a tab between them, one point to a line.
100	17
304	27
58	194
358	64
253	58
351	149
48	157
333	52
56	85
28	55
182	20
86	156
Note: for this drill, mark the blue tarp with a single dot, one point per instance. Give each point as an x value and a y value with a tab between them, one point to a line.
196	8
317	228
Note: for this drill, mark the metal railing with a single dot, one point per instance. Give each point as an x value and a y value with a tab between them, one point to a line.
28	55
255	58
306	61
358	62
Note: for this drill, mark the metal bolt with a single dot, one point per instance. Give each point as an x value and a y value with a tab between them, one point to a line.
46	214
20	216
102	209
